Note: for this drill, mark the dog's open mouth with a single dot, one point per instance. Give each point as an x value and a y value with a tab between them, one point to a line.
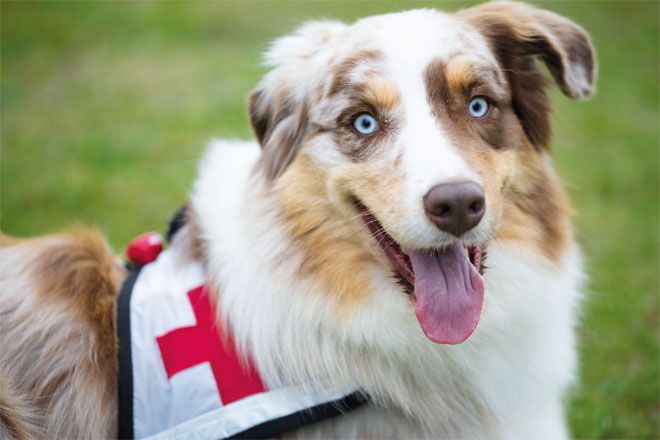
447	283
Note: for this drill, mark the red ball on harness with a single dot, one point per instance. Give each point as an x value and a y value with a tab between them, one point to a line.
144	248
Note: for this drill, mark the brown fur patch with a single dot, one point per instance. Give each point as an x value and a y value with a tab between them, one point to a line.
82	271
280	126
333	256
436	88
537	209
381	94
459	74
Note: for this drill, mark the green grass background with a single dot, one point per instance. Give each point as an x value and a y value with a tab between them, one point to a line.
106	107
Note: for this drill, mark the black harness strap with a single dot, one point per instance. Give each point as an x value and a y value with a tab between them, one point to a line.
177	222
125	358
277	427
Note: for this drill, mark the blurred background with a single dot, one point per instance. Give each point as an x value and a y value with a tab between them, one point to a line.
106	108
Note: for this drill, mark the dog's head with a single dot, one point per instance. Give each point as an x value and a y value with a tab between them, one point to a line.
406	143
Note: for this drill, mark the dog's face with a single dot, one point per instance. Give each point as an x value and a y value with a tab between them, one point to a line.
408	142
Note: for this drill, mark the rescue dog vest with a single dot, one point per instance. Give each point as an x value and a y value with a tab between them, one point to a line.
180	374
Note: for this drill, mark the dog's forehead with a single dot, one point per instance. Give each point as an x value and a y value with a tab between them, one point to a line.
409	41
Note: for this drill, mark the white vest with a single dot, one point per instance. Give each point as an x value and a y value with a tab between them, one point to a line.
180	375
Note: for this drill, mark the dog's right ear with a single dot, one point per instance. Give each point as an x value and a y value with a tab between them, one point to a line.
278	107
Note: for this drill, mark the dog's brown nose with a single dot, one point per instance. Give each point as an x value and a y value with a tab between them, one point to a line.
455	207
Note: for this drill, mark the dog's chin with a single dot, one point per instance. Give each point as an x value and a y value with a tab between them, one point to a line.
446	283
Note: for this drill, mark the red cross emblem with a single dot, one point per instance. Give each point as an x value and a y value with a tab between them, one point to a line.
185	347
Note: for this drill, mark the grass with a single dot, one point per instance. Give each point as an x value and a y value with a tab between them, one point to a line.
106	107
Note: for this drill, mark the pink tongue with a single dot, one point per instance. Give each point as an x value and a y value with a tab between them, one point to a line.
449	293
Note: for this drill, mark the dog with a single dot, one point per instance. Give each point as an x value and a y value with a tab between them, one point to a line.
396	227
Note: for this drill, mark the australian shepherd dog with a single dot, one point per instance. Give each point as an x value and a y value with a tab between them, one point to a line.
397	224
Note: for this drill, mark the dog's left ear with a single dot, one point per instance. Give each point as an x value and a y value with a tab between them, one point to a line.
518	34
278	107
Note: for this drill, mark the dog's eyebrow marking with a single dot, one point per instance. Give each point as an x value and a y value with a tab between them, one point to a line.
341	78
381	93
459	73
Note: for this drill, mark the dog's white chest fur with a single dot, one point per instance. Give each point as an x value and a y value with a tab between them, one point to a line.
506	380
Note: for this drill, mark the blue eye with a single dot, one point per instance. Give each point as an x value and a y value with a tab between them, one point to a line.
479	107
365	124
